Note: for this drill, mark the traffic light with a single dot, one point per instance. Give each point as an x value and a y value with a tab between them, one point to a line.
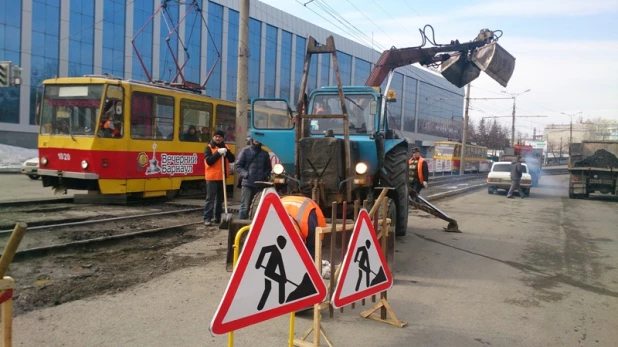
5	73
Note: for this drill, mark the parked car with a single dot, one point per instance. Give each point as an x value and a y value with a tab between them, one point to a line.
30	168
500	178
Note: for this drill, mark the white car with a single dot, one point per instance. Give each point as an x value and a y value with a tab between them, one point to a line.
500	178
30	168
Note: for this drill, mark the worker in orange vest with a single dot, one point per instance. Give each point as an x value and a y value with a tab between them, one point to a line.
306	215
216	153
418	171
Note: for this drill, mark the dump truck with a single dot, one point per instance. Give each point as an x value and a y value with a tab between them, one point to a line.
338	145
533	157
593	167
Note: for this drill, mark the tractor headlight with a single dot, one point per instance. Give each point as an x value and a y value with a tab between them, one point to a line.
44	161
278	169
84	164
361	168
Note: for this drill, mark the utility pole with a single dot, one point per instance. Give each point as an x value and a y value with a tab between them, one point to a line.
462	165
242	84
560	158
571	129
514	96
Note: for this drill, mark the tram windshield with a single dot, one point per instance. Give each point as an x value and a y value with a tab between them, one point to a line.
359	110
444	150
70	110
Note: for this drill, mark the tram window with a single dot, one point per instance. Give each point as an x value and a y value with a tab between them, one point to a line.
225	119
111	123
195	119
152	116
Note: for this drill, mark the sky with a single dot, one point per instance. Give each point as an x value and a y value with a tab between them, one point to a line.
565	50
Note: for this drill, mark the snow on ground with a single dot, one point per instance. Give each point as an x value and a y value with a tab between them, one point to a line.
12	157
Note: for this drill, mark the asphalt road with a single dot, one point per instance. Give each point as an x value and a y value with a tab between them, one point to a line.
539	271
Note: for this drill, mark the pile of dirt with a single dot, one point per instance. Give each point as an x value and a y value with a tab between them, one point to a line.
600	158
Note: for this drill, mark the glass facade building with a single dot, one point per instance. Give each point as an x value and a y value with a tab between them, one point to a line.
49	38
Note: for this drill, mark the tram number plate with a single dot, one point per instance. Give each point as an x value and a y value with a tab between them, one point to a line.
64	156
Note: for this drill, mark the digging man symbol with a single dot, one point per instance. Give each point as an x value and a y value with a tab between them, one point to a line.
275	271
365	268
274	261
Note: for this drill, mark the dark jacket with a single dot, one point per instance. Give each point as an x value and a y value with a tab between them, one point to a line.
253	165
211	158
516	171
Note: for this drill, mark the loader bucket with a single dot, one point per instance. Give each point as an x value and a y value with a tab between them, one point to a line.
495	61
459	71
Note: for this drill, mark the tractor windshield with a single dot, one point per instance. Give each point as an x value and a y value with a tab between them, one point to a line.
69	110
358	105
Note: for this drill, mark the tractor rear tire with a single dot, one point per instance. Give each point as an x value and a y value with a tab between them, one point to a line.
395	174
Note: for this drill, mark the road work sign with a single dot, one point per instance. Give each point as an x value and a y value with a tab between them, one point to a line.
364	271
275	274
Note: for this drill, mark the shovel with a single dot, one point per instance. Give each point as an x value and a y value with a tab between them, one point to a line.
225	217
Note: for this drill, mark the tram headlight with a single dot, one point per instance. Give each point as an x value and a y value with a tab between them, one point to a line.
84	164
278	169
44	161
361	168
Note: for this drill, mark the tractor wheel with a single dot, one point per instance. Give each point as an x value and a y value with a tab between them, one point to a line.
395	174
254	204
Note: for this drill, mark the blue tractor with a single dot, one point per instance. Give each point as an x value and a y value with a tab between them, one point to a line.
339	147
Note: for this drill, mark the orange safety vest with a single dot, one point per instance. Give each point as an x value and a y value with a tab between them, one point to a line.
213	173
419	168
115	131
299	208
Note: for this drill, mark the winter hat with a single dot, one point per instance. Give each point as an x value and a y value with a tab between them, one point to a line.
219	133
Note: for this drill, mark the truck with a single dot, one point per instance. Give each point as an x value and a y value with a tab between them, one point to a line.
593	167
533	157
338	145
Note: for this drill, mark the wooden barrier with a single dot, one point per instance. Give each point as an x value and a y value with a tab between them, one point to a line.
7	285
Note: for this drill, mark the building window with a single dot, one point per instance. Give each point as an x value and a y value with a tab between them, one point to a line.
113	37
325	69
286	65
215	25
232	54
409	105
345	68
195	118
142	11
270	73
301	44
152	116
45	49
225	120
440	112
81	38
312	78
255	55
10	46
193	42
167	67
362	69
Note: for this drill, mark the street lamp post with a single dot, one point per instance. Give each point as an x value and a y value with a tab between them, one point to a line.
571	129
514	96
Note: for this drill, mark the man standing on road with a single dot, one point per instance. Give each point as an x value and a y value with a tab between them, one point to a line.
418	171
253	165
216	154
516	174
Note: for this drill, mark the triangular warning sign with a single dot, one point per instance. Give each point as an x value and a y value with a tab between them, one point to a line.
364	271
274	275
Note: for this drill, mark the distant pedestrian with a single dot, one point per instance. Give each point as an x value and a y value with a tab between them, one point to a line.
418	173
216	153
516	173
253	165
